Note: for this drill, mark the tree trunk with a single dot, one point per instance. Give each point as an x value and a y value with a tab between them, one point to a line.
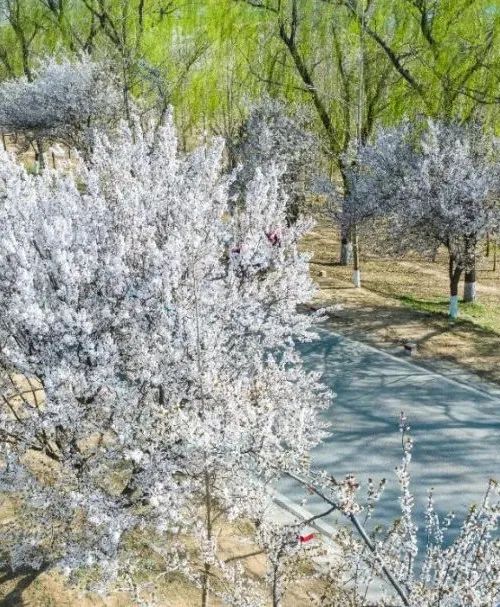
275	593
277	582
454	272
39	155
470	273
205	584
356	272
470	286
297	199
346	252
294	205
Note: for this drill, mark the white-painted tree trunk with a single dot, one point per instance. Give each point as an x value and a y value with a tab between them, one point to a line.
470	291
356	278
453	310
346	253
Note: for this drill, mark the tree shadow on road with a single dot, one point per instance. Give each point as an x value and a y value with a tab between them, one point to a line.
461	342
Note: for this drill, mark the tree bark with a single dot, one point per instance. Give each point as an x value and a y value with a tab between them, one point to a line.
295	205
454	272
345	248
39	155
276	589
470	273
356	271
470	286
205	584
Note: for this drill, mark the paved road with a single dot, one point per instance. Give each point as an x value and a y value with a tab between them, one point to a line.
456	430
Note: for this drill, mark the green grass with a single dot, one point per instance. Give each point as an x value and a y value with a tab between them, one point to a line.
485	316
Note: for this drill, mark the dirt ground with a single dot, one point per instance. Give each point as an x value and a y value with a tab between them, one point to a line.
47	588
406	300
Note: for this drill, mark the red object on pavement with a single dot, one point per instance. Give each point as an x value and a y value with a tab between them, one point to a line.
306	538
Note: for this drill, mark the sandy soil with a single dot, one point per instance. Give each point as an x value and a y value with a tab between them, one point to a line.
381	313
48	589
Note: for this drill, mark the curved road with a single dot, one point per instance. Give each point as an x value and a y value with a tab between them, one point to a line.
455	428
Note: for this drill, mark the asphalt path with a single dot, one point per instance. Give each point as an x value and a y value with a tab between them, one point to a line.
455	429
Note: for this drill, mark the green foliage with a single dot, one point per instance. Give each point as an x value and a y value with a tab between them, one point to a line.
213	58
481	315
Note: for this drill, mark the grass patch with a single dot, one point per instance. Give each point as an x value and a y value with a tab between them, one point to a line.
477	313
432	306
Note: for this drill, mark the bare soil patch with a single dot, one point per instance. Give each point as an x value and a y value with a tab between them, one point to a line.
406	300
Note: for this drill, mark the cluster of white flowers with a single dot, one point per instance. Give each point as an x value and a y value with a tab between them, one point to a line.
271	137
161	326
64	101
440	566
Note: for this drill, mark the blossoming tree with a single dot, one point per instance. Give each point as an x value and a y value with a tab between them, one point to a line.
159	329
434	187
270	136
61	102
438	566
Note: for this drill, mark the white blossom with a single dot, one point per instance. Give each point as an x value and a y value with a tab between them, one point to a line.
271	137
431	186
161	327
65	101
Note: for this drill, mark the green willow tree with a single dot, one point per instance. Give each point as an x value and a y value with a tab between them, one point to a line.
193	56
322	65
